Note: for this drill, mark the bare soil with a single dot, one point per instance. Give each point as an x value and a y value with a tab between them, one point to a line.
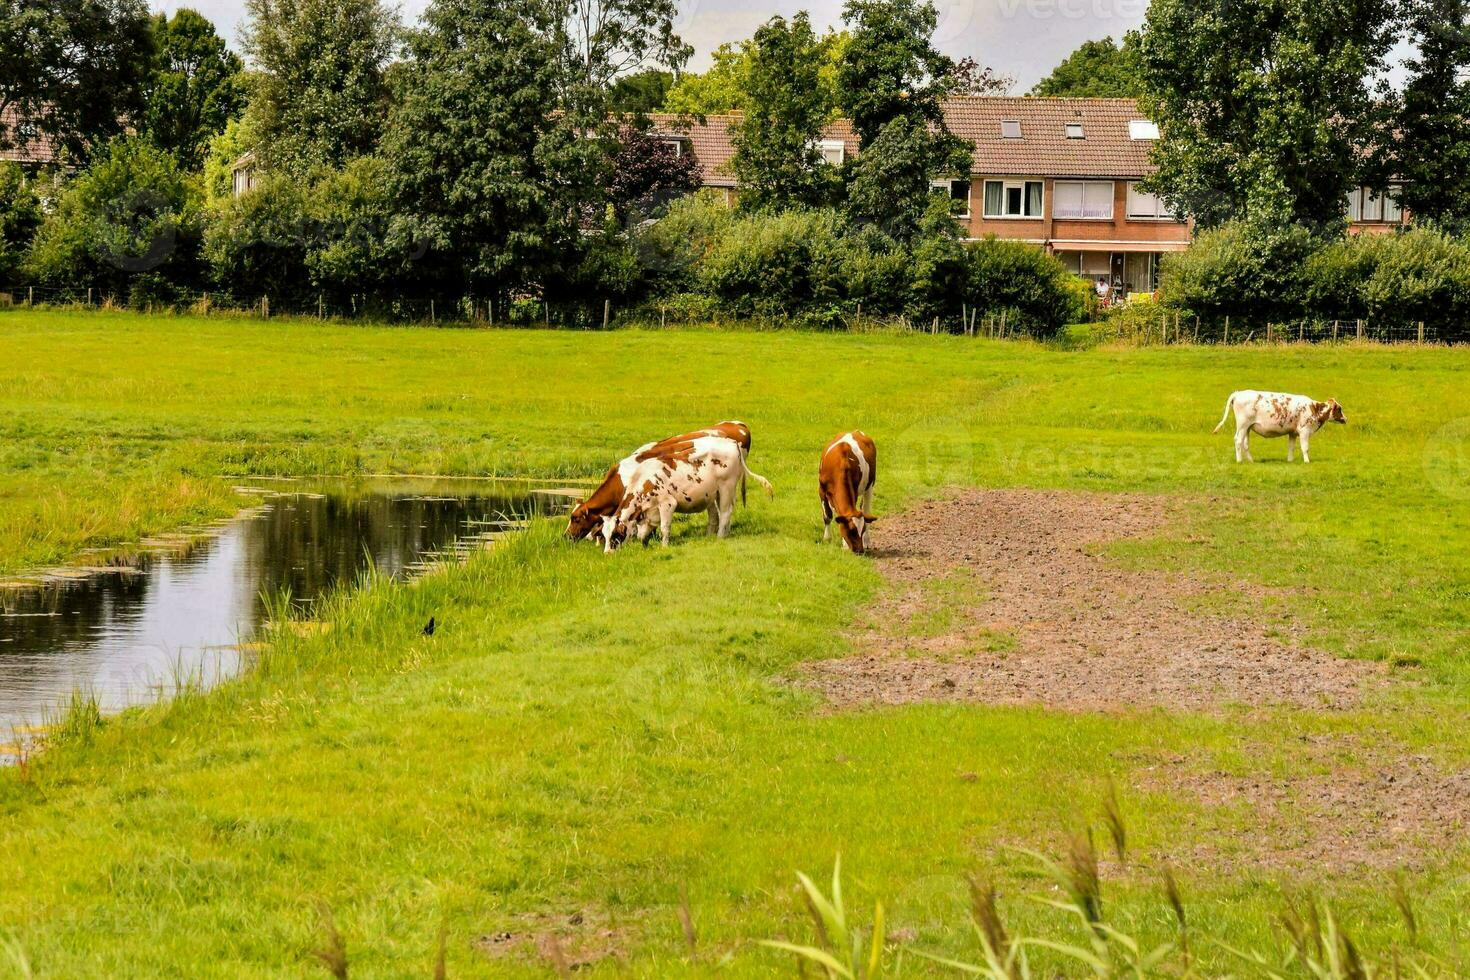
563	942
1002	597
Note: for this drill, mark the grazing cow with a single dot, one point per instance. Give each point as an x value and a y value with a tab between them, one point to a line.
1273	414
845	481
700	474
587	517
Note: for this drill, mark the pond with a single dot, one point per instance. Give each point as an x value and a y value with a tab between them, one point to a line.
127	635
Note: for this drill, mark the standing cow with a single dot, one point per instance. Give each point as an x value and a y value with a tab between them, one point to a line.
845	479
587	517
700	474
1270	413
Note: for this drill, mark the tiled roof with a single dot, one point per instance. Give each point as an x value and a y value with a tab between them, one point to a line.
1043	149
711	144
34	150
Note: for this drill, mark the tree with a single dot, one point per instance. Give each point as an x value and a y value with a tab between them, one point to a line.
73	71
319	95
640	92
1430	148
20	216
600	41
1264	108
1097	70
777	159
969	77
195	88
129	224
891	84
722	88
488	179
648	174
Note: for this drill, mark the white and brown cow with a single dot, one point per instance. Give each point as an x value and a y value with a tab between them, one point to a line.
845	479
700	474
1271	413
587	517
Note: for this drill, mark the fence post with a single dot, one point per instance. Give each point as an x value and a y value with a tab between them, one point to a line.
1421	331
89	295
265	306
30	295
1360	329
321	307
1227	328
1334	329
606	312
1269	331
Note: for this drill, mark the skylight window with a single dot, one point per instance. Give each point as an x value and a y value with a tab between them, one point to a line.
1074	131
1010	129
1142	129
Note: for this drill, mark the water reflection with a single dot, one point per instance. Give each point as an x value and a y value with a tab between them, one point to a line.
127	636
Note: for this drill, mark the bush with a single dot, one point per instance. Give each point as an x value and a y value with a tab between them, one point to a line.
257	244
128	225
1240	270
670	248
875	272
1031	288
779	264
349	211
1421	275
20	216
1335	276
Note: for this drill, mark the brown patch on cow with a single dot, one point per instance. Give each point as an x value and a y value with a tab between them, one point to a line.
562	942
1344	804
1043	619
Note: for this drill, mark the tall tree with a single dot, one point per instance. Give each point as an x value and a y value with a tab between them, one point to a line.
722	87
72	71
1430	148
600	41
195	89
640	92
1097	70
777	159
319	91
1265	108
891	84
488	177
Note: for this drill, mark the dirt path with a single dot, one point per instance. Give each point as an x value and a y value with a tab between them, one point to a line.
1000	597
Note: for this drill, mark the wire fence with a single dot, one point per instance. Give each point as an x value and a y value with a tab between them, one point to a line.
1151	326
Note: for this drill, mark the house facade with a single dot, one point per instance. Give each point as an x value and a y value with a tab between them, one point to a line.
1063	174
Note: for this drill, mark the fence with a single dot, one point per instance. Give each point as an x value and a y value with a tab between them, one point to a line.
1134	325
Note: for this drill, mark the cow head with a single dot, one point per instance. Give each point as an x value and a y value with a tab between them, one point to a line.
1336	412
583	523
852	530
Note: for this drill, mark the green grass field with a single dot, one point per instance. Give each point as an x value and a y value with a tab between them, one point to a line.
590	742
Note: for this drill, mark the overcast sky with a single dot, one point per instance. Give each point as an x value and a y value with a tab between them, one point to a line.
1020	38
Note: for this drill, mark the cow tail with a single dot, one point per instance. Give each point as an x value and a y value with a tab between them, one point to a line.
745	471
1229	403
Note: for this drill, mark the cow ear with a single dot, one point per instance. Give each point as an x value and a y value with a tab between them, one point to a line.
870	518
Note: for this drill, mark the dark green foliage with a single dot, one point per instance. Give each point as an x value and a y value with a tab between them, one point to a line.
1421	276
776	158
779	264
890	181
640	92
648	174
257	244
1264	107
20	216
1014	280
74	70
195	89
1430	147
1240	269
671	248
319	94
1097	70
132	219
350	211
483	173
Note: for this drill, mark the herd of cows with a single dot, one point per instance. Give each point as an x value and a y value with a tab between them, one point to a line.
704	469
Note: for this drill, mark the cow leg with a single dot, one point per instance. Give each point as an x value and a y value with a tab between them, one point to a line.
1304	439
713	510
867	509
1243	445
826	522
1290	445
665	520
727	510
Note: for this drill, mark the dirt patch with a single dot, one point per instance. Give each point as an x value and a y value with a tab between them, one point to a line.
1001	597
1380	813
562	942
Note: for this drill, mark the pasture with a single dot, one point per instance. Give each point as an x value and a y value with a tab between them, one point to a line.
597	757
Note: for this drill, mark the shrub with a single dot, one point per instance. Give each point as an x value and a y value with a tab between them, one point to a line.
1421	275
875	272
1336	274
20	216
349	210
781	264
257	244
132	219
1240	270
670	248
1031	288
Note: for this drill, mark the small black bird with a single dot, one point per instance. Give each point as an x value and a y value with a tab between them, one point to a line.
429	629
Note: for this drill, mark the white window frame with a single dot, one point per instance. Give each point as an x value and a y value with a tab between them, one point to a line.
1096	185
824	147
1159	202
946	187
1006	135
1391	205
1143	129
1006	187
1074	131
679	143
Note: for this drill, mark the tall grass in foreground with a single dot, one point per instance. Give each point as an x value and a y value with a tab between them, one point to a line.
1315	944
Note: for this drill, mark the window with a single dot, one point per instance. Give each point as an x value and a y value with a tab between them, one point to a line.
1082	199
1142	129
959	195
1363	204
1392	210
1144	205
1355	204
676	143
1074	131
1013	199
833	152
1010	129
